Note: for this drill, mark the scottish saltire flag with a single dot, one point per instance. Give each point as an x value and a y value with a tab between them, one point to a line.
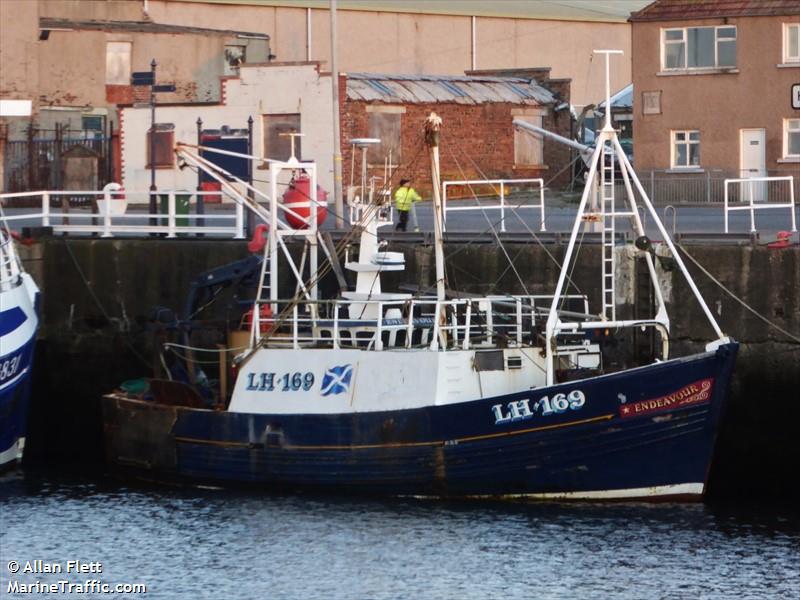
337	380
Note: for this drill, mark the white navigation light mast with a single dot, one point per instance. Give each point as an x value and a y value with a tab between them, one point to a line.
607	153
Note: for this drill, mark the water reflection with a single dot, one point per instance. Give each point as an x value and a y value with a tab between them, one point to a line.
217	544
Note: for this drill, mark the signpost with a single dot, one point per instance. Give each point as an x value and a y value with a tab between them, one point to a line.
148	79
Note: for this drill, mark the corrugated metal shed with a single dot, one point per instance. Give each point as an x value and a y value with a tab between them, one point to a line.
424	89
140	27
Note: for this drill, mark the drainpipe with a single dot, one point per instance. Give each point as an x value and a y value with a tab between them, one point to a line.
308	34
474	45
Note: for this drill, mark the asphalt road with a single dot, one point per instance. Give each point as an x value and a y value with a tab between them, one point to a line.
559	217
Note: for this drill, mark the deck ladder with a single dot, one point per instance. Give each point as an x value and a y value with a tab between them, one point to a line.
608	238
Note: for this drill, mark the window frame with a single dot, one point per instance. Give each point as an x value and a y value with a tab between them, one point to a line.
165	157
786	57
688	142
786	129
685	42
527	141
380	122
266	128
118	62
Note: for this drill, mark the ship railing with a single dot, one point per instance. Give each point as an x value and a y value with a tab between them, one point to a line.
461	323
10	269
499	200
113	212
759	193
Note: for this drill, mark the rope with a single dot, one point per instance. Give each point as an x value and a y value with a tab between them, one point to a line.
513	209
99	304
739	300
491	226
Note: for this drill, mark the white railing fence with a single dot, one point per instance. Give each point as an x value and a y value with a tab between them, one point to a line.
759	193
113	211
525	199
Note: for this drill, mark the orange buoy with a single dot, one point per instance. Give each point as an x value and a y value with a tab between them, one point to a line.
298	198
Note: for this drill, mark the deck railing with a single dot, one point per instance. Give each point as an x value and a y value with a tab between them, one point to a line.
462	323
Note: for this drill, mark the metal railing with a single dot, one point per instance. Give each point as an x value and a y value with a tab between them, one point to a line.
502	204
10	269
112	212
703	187
759	193
461	323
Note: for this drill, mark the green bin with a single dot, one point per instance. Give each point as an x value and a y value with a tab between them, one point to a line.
183	199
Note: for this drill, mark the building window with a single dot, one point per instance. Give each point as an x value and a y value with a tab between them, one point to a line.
234	56
164	145
277	141
685	149
384	125
791	138
698	48
528	146
791	42
118	63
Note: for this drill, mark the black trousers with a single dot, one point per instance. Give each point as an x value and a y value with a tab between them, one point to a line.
401	226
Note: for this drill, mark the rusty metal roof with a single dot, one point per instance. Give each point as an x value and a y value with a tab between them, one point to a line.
686	10
424	89
140	27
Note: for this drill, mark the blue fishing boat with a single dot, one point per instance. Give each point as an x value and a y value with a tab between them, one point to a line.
442	395
19	298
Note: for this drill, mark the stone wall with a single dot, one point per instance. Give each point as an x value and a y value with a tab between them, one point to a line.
100	296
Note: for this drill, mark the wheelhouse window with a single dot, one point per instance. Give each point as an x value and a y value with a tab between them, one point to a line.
791	43
685	149
698	48
791	138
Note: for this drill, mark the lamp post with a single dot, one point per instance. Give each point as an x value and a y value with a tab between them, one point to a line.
153	203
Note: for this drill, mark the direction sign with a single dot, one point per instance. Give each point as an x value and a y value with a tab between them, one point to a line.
143	78
164	87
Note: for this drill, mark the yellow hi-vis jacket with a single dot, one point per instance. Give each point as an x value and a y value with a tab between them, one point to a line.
404	196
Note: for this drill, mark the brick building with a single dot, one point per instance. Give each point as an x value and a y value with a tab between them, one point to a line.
477	140
713	81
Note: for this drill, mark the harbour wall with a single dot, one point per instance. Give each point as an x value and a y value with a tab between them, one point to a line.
107	305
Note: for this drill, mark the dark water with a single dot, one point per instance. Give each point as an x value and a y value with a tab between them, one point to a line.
216	544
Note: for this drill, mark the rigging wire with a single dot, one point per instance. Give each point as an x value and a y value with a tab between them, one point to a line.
99	304
735	297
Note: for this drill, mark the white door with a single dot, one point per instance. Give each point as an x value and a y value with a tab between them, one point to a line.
753	163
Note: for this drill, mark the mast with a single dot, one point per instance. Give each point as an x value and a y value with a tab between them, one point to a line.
606	152
432	125
337	145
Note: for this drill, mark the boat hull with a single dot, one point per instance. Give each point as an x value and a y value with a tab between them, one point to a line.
645	433
14	401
